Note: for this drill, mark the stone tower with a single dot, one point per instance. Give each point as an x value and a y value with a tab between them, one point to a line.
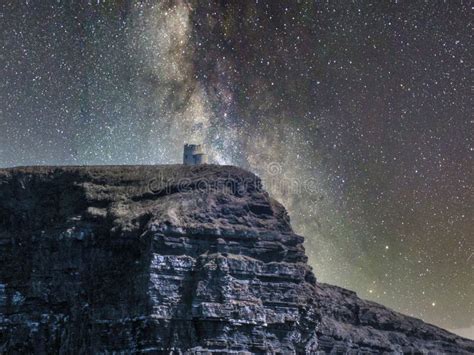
194	154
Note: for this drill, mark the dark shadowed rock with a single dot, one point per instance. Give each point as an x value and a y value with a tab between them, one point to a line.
173	259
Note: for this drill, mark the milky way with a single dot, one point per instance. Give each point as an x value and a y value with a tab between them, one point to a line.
355	114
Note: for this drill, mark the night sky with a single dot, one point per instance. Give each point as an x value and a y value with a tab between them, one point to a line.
356	114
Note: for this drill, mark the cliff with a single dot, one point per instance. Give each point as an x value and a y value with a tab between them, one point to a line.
173	259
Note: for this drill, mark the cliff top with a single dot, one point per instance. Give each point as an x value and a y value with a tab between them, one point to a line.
224	198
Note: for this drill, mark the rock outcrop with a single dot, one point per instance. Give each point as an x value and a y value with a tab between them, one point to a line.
173	259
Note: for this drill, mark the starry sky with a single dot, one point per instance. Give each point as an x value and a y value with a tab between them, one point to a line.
356	114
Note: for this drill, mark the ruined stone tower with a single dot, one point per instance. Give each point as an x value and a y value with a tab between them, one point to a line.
194	154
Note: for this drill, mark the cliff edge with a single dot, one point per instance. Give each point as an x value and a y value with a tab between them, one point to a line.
174	259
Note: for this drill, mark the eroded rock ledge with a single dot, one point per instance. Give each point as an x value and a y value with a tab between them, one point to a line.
173	259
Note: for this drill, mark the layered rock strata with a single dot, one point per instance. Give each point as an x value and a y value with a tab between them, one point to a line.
173	259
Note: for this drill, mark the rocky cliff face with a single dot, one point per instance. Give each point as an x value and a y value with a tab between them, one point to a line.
173	259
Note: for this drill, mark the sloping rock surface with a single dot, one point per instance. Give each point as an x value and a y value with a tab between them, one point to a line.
173	259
